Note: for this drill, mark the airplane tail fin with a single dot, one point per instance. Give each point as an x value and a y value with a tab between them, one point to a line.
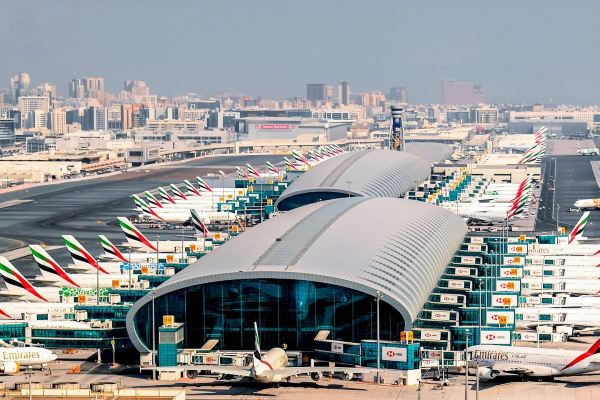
203	184
49	268
594	349
145	207
177	192
15	281
199	225
135	238
153	200
165	195
272	168
110	249
577	232
191	188
80	255
256	355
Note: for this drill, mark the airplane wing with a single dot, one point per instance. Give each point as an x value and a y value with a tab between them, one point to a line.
296	371
217	369
516	369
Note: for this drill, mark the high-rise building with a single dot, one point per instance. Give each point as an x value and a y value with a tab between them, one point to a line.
319	92
126	116
94	87
136	88
7	132
86	87
398	94
462	93
58	121
28	105
344	93
46	89
36	119
19	86
94	119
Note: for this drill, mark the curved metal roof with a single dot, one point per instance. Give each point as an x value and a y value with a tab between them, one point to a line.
395	246
430	151
370	173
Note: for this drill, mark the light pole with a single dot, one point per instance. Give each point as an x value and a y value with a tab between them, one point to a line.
378	337
157	242
477	380
467	364
153	341
557	223
348	183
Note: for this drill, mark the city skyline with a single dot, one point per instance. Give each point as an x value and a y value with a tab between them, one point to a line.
260	49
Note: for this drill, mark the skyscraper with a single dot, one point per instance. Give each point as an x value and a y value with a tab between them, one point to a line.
462	93
344	93
398	94
319	92
86	87
126	116
19	86
77	88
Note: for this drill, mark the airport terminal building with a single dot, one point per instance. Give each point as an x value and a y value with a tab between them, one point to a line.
319	266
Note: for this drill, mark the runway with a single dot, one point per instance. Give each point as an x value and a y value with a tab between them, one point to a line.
84	208
567	178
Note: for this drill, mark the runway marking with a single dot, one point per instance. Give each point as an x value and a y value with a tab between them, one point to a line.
11	203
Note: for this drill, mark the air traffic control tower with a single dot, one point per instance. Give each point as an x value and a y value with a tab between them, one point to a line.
397	141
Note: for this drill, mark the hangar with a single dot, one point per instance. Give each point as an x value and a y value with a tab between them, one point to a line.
317	267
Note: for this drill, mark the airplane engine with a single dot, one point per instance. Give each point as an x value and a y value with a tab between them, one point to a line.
347	376
487	373
315	376
9	367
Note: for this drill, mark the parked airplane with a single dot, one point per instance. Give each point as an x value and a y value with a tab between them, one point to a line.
169	215
494	361
111	252
18	286
16	309
586	204
578	318
137	240
13	358
52	273
592	151
271	367
537	285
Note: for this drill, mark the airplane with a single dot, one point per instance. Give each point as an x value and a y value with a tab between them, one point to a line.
585	204
169	215
16	309
13	358
85	262
579	318
18	286
271	367
137	240
555	271
54	274
537	285
576	234
182	215
494	361
592	151
111	252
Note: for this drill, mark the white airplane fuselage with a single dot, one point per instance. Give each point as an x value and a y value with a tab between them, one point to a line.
274	359
495	361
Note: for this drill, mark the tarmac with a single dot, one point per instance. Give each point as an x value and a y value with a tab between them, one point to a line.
581	387
88	207
567	177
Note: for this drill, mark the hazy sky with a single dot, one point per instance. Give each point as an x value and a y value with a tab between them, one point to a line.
520	51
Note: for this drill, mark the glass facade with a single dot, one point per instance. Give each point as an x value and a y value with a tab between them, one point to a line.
303	199
289	314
